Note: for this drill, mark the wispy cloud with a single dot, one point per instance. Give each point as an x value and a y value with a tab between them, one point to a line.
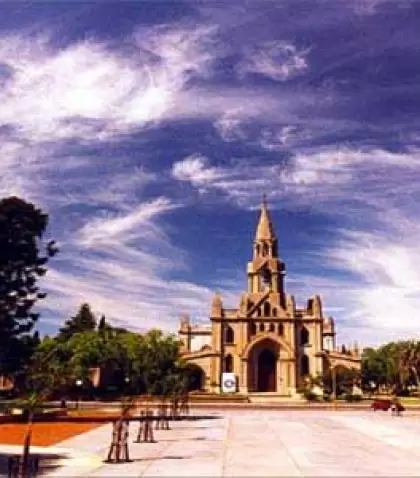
126	227
329	175
278	60
87	90
229	125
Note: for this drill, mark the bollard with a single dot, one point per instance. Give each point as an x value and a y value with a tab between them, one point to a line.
165	417
159	418
145	433
148	436
118	451
142	425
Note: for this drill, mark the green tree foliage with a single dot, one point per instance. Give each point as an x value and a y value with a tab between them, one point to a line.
102	325
83	321
394	366
129	362
344	380
49	371
23	259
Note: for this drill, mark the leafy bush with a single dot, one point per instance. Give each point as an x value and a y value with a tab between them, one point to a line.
349	397
311	396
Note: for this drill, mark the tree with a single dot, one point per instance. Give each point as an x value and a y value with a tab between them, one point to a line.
83	321
23	257
44	375
409	364
102	323
395	365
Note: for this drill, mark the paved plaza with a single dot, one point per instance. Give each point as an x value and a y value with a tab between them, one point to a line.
259	443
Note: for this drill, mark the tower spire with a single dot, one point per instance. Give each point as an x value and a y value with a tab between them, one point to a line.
265	231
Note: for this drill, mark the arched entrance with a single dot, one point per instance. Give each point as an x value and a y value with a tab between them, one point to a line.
263	366
267	363
196	378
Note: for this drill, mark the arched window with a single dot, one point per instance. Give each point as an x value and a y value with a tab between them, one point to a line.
229	335
280	329
272	327
261	327
304	365
252	328
258	311
274	312
266	309
265	250
257	249
229	363
304	336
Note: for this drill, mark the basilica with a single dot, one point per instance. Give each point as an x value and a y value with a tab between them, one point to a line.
267	344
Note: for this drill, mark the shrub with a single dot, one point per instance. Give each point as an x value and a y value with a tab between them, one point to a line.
349	397
311	396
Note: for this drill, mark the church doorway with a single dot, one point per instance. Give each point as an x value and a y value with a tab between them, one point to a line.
196	378
267	362
263	366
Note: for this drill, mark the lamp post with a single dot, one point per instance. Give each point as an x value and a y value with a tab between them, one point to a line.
372	386
127	384
79	384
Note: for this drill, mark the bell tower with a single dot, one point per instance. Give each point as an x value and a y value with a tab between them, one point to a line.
266	271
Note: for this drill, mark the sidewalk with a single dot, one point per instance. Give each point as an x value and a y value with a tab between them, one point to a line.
256	443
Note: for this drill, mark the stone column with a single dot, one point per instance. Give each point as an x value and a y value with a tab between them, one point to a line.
243	377
279	376
292	377
215	374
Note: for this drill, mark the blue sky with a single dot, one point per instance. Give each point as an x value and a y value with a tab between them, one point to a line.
150	130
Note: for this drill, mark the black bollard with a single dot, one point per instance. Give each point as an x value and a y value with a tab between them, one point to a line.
118	451
142	425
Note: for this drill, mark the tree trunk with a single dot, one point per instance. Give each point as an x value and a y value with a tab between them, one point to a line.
24	462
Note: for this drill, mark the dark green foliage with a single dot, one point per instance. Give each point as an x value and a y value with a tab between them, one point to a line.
394	366
311	396
130	363
83	321
102	323
349	397
23	259
344	379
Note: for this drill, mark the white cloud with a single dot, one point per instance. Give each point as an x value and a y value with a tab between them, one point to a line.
279	61
195	170
229	125
124	228
87	90
388	297
131	285
315	179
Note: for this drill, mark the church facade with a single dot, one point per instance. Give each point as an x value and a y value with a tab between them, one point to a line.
267	342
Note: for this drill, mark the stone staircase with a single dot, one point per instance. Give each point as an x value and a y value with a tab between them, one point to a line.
273	397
